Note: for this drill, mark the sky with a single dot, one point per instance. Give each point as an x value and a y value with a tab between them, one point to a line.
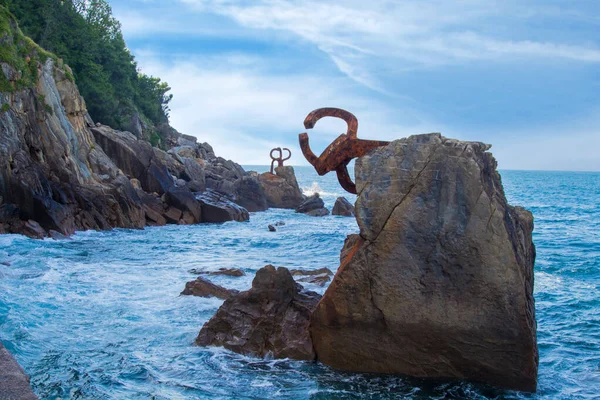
521	75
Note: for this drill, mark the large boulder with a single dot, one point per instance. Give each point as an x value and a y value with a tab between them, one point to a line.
184	200
270	318
217	207
313	206
281	189
440	281
343	207
249	193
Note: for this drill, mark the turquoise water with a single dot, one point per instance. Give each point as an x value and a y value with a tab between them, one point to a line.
100	316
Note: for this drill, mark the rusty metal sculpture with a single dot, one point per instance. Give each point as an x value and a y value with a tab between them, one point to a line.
341	151
279	159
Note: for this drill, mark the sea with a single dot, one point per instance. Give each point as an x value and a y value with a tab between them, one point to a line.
100	316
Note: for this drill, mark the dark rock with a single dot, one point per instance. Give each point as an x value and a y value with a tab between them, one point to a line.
221	271
184	200
216	207
440	281
310	272
249	194
313	206
153	217
272	228
319	280
14	382
34	230
195	173
205	288
57	235
279	223
343	207
270	318
281	189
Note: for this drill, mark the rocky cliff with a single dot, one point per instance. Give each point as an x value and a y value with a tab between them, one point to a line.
439	283
61	172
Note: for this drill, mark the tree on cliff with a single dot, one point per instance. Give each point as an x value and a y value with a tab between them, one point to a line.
85	34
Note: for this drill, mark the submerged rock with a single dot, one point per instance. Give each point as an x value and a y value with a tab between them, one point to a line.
271	228
281	189
204	288
440	281
221	271
343	207
270	318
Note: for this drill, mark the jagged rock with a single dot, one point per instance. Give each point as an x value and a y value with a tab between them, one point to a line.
184	200
319	280
249	194
316	276
270	318
34	230
313	206
135	157
194	172
221	271
281	189
440	281
343	207
271	228
172	215
216	207
205	288
14	382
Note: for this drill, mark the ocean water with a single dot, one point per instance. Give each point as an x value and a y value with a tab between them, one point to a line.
100	316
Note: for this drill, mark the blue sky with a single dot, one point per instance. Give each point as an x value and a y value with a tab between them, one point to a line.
521	75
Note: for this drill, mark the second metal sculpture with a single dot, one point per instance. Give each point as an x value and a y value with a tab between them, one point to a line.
341	151
279	159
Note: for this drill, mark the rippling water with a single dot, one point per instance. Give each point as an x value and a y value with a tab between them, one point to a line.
100	316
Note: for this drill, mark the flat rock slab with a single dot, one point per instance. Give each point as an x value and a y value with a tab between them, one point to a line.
14	382
204	288
439	283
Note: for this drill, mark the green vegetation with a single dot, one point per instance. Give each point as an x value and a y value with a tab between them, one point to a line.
5	107
88	38
20	52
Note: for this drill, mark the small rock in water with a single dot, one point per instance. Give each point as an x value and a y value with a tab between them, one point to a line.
270	318
221	271
306	272
6	263
272	228
313	206
343	207
279	223
57	235
204	288
320	279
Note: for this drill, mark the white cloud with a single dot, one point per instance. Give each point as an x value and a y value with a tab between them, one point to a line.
243	112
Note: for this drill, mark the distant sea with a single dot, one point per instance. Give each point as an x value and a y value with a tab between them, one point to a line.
100	316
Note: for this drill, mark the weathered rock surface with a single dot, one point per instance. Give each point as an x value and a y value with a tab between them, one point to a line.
313	206
343	207
14	382
270	318
61	172
216	207
281	189
221	271
204	288
316	276
440	281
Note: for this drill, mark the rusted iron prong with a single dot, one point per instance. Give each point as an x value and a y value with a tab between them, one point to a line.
341	151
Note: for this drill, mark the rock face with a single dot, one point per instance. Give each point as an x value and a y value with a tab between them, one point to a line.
313	206
204	288
61	172
281	189
439	283
14	382
343	207
270	318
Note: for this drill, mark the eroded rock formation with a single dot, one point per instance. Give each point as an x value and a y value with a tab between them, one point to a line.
281	189
204	288
440	281
14	382
270	318
313	206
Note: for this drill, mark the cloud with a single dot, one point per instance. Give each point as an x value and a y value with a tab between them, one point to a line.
243	111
